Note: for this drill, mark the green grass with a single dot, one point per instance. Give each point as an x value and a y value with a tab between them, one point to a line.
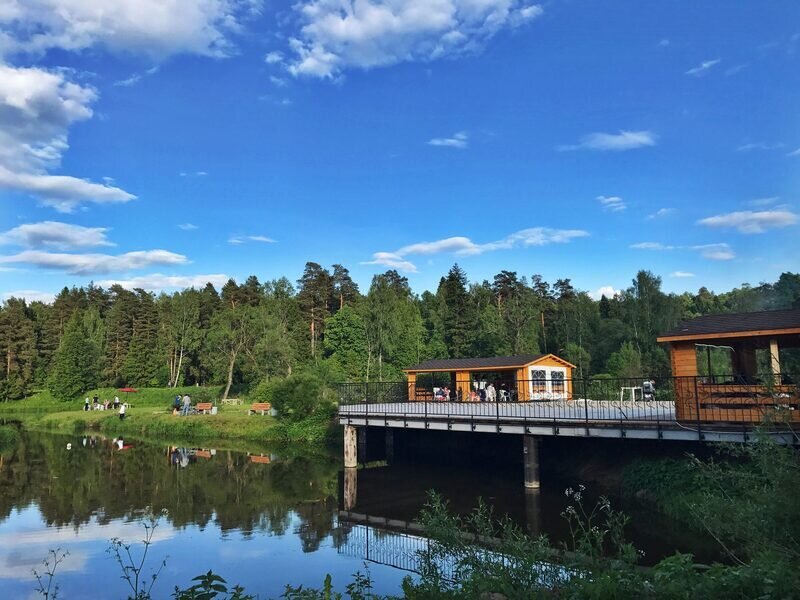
150	417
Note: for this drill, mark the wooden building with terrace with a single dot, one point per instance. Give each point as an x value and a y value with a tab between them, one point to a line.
739	367
521	378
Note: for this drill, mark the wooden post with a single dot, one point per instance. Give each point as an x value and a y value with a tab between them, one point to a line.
350	488
350	455
775	360
530	452
533	511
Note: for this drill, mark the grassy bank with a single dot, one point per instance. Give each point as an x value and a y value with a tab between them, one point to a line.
150	417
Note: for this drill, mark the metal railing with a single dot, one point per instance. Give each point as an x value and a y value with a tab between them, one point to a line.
640	399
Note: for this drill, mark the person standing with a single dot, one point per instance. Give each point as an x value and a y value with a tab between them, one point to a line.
86	404
187	404
122	412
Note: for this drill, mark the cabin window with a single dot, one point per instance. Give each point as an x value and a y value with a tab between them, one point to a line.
557	381
539	381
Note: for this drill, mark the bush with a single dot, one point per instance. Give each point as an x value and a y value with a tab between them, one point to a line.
300	396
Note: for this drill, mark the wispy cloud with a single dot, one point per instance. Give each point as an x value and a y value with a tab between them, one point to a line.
459	140
681	274
193	174
187	226
92	264
30	295
464	246
715	251
612	203
136	77
794	153
749	147
157	282
703	67
661	213
237	240
278	81
748	221
764	201
55	235
273	58
651	246
613	142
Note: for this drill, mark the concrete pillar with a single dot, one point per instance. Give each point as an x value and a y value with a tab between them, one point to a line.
389	445
362	445
350	487
775	359
533	511
350	459
530	451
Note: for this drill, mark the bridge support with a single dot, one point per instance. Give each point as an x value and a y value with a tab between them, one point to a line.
362	445
350	454
350	487
533	511
530	451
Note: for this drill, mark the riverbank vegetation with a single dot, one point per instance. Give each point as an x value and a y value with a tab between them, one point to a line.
246	336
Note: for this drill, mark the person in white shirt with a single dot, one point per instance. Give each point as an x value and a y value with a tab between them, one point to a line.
122	412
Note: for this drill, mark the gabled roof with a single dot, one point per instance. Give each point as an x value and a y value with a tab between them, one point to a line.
765	322
478	364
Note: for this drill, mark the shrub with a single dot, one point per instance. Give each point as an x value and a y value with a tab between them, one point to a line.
301	396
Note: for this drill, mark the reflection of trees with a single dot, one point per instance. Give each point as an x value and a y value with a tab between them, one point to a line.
72	486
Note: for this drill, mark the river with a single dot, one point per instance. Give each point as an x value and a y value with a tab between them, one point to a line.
262	518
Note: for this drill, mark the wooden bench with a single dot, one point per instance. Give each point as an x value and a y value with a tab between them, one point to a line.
262	460
204	407
260	407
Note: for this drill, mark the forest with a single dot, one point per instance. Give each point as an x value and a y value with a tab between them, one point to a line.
253	333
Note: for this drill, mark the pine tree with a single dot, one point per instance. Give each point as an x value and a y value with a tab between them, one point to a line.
75	365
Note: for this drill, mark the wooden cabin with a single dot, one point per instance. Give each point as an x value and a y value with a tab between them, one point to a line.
512	378
752	385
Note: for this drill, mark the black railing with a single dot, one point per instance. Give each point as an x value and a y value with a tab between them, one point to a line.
658	399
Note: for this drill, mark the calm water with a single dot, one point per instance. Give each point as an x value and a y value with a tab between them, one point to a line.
262	520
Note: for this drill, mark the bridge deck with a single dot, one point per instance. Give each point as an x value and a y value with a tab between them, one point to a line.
582	418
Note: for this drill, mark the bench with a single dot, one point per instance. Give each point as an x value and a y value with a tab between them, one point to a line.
262	460
204	407
260	407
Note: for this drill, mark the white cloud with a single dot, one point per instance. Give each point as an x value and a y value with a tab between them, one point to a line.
37	107
157	282
703	67
187	226
31	296
278	81
715	251
663	43
681	274
90	264
606	290
661	213
464	246
392	261
242	239
652	246
193	174
612	203
794	153
624	140
459	140
750	147
748	221
55	235
764	201
155	27
341	34
273	58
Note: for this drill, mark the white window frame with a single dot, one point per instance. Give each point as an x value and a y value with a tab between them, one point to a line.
549	394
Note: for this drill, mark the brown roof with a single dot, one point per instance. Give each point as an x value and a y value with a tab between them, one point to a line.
732	323
493	362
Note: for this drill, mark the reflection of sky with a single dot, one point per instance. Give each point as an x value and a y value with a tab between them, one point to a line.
262	563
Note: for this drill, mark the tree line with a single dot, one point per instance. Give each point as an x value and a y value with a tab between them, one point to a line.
257	332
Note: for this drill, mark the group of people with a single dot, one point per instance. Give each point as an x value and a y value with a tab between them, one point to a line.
95	404
182	405
479	393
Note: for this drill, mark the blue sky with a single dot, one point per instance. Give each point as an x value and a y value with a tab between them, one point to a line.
206	139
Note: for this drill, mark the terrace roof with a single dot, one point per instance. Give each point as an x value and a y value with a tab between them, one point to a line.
748	324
